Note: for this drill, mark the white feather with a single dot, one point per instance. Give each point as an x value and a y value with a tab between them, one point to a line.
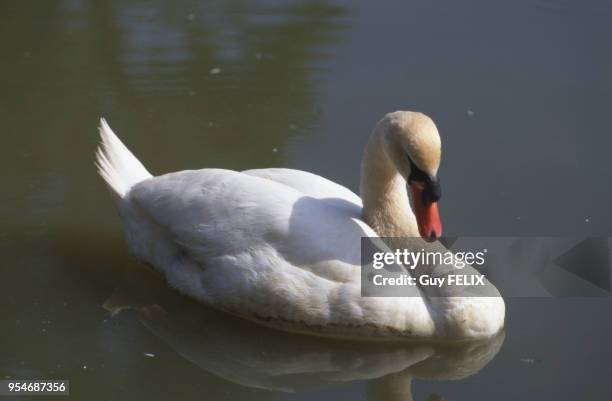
116	164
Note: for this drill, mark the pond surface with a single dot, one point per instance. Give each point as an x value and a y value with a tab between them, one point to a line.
520	91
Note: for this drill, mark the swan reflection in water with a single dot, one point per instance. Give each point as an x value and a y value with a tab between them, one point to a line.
258	357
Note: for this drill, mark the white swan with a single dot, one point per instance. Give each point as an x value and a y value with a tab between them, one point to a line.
282	247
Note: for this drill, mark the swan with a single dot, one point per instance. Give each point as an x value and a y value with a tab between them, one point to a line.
281	247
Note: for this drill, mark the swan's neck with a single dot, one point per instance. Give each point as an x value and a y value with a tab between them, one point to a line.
386	207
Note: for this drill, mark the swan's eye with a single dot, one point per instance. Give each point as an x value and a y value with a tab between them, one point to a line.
416	174
432	191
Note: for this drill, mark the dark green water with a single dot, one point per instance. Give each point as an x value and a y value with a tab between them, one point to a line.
521	93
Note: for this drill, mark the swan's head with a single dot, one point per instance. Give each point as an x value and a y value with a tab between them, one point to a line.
413	144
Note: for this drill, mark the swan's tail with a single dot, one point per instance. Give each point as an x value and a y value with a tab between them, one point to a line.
116	164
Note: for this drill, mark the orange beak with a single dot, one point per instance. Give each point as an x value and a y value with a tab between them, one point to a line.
428	218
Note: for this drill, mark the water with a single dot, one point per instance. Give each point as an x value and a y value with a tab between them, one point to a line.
519	90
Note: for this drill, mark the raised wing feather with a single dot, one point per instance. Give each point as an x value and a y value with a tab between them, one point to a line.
308	184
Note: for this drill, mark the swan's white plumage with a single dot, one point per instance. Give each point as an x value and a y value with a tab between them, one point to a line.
116	164
308	184
278	246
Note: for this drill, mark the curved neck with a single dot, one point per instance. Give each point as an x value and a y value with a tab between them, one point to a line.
386	207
